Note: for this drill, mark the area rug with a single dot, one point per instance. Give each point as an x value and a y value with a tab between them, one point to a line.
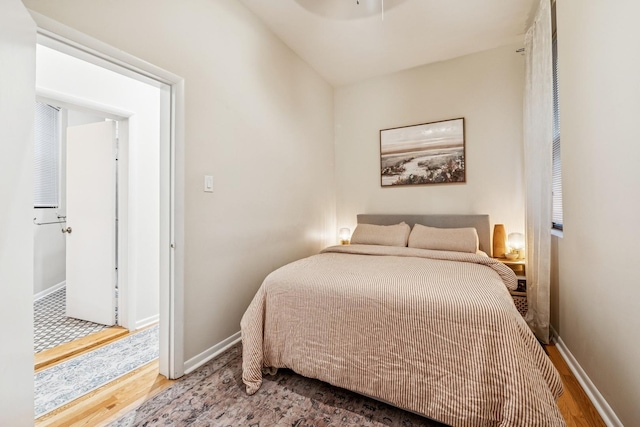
214	395
69	380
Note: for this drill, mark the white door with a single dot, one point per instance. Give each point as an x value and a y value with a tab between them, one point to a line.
91	215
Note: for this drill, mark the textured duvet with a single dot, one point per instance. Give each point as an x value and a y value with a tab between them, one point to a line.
432	332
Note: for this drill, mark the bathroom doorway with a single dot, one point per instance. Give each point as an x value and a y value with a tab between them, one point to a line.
108	213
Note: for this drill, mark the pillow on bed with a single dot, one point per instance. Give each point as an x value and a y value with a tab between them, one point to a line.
444	239
387	235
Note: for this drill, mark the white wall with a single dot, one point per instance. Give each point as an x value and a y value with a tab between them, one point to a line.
485	88
258	119
77	118
70	77
598	309
17	56
49	244
49	250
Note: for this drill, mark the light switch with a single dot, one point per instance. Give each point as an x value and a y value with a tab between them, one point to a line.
208	183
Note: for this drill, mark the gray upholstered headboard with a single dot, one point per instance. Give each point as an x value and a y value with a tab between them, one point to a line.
480	222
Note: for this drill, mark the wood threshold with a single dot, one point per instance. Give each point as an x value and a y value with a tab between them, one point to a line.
52	356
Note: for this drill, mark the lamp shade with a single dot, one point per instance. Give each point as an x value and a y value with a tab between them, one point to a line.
344	234
516	241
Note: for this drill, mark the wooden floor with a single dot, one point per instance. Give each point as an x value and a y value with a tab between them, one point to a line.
574	404
112	400
108	402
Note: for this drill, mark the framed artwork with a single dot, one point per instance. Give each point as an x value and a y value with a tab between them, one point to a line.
430	153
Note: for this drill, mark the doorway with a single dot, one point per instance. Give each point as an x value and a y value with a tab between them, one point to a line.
111	214
17	49
74	274
172	174
77	85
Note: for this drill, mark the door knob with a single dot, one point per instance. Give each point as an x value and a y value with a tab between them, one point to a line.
67	230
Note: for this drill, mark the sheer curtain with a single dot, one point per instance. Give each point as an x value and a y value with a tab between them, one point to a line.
538	128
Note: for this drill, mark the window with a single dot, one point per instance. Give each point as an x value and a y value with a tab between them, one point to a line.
556	182
46	181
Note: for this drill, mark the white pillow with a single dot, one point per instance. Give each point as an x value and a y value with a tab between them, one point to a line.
386	235
444	239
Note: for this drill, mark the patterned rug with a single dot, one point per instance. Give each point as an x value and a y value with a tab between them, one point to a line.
51	327
214	395
69	380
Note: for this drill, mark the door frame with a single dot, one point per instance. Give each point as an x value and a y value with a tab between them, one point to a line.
72	42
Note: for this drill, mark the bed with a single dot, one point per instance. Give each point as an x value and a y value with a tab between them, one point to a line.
431	331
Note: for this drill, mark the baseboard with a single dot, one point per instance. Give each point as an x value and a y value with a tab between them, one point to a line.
202	358
608	416
49	291
148	321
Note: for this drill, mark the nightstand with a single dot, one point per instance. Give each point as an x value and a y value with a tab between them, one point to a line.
520	294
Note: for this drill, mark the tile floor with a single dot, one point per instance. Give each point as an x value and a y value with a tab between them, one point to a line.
52	327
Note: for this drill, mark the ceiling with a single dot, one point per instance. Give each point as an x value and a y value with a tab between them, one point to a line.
348	42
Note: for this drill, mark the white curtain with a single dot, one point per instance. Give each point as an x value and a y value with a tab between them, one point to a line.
538	123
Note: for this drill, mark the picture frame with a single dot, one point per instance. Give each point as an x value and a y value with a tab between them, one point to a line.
423	154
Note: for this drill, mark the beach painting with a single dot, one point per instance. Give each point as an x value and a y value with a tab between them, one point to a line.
430	153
